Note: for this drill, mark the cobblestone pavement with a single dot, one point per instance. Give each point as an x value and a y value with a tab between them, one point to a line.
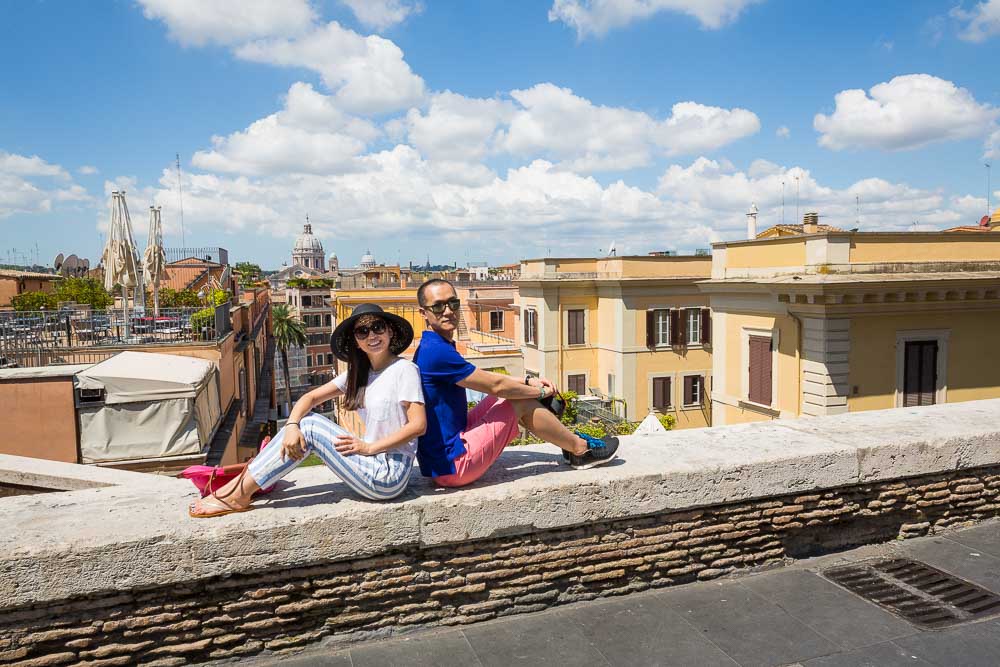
787	616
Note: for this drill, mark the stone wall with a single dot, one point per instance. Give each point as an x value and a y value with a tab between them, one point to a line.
252	611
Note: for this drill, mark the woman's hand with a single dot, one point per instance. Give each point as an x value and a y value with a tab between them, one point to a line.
293	443
349	445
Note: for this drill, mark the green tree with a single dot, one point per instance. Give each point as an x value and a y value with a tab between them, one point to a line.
34	301
171	298
310	283
288	332
250	273
84	290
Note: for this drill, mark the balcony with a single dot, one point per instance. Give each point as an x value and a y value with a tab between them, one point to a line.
42	338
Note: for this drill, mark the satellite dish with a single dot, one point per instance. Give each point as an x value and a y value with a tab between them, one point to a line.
70	265
984	221
86	265
57	263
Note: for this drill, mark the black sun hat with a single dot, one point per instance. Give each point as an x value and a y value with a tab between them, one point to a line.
342	341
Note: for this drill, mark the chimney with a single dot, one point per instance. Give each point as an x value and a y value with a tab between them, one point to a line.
810	223
752	222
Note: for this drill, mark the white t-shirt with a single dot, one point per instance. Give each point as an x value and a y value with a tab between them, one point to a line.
387	389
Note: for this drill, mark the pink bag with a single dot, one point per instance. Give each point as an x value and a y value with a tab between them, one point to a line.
210	478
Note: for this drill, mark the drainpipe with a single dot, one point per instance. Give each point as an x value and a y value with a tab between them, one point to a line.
798	363
559	359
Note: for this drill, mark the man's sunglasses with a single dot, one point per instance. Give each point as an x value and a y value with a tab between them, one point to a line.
361	332
438	308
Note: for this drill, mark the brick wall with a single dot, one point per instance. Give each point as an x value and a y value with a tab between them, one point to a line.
280	611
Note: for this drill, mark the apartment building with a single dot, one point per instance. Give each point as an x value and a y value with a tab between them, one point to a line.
634	332
825	322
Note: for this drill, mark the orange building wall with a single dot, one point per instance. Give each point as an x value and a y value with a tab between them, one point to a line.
42	420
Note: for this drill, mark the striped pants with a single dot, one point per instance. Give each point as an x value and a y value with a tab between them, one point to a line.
378	477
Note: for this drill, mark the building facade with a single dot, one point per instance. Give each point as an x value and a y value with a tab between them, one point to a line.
823	323
632	331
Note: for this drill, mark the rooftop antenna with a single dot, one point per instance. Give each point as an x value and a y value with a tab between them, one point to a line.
782	202
857	204
796	199
988	207
180	198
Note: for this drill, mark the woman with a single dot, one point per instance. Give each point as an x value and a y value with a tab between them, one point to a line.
385	390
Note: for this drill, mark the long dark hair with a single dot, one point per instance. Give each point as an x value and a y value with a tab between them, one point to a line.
359	365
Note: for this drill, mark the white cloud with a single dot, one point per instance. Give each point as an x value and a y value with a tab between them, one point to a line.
88	170
459	128
310	135
783	132
368	74
993	146
905	113
980	23
227	22
556	124
597	17
382	14
718	190
20	165
32	185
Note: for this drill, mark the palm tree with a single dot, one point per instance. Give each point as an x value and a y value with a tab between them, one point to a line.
288	332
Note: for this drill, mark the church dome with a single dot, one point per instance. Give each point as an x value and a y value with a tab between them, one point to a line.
368	259
307	243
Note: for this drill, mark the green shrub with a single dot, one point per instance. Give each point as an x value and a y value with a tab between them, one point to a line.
35	301
201	319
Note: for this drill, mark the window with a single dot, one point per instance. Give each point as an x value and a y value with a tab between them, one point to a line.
307	301
244	392
661	393
577	384
530	327
760	370
328	321
919	372
693	390
496	320
309	360
575	325
657	327
693	325
329	359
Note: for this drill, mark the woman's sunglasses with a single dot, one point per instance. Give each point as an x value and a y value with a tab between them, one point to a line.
361	331
438	308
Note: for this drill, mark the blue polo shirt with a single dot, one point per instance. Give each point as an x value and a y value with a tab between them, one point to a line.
441	369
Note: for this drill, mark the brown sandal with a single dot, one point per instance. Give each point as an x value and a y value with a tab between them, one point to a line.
216	502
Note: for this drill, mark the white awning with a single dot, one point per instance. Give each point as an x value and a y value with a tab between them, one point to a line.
130	377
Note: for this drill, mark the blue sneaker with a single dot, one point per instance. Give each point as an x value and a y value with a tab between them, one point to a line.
599	451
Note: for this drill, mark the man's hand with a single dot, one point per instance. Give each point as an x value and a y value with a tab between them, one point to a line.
550	388
293	443
349	445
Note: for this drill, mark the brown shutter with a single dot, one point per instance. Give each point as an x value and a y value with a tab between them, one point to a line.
534	327
706	326
661	393
651	329
760	370
676	329
526	325
928	373
688	390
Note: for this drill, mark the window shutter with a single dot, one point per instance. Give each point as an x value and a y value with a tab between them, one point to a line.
526	325
651	329
928	372
760	370
706	326
688	390
676	327
661	393
534	327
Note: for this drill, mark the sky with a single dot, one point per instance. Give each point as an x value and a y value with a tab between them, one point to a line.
465	131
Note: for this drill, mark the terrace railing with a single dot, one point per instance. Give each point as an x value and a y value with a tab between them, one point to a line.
39	338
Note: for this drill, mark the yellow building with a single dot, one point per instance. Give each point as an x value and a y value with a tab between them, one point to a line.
633	330
826	322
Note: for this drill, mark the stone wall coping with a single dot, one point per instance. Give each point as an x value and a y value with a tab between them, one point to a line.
137	534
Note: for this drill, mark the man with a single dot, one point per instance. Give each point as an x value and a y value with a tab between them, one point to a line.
460	446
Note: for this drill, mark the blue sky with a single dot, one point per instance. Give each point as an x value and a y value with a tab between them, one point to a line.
490	131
